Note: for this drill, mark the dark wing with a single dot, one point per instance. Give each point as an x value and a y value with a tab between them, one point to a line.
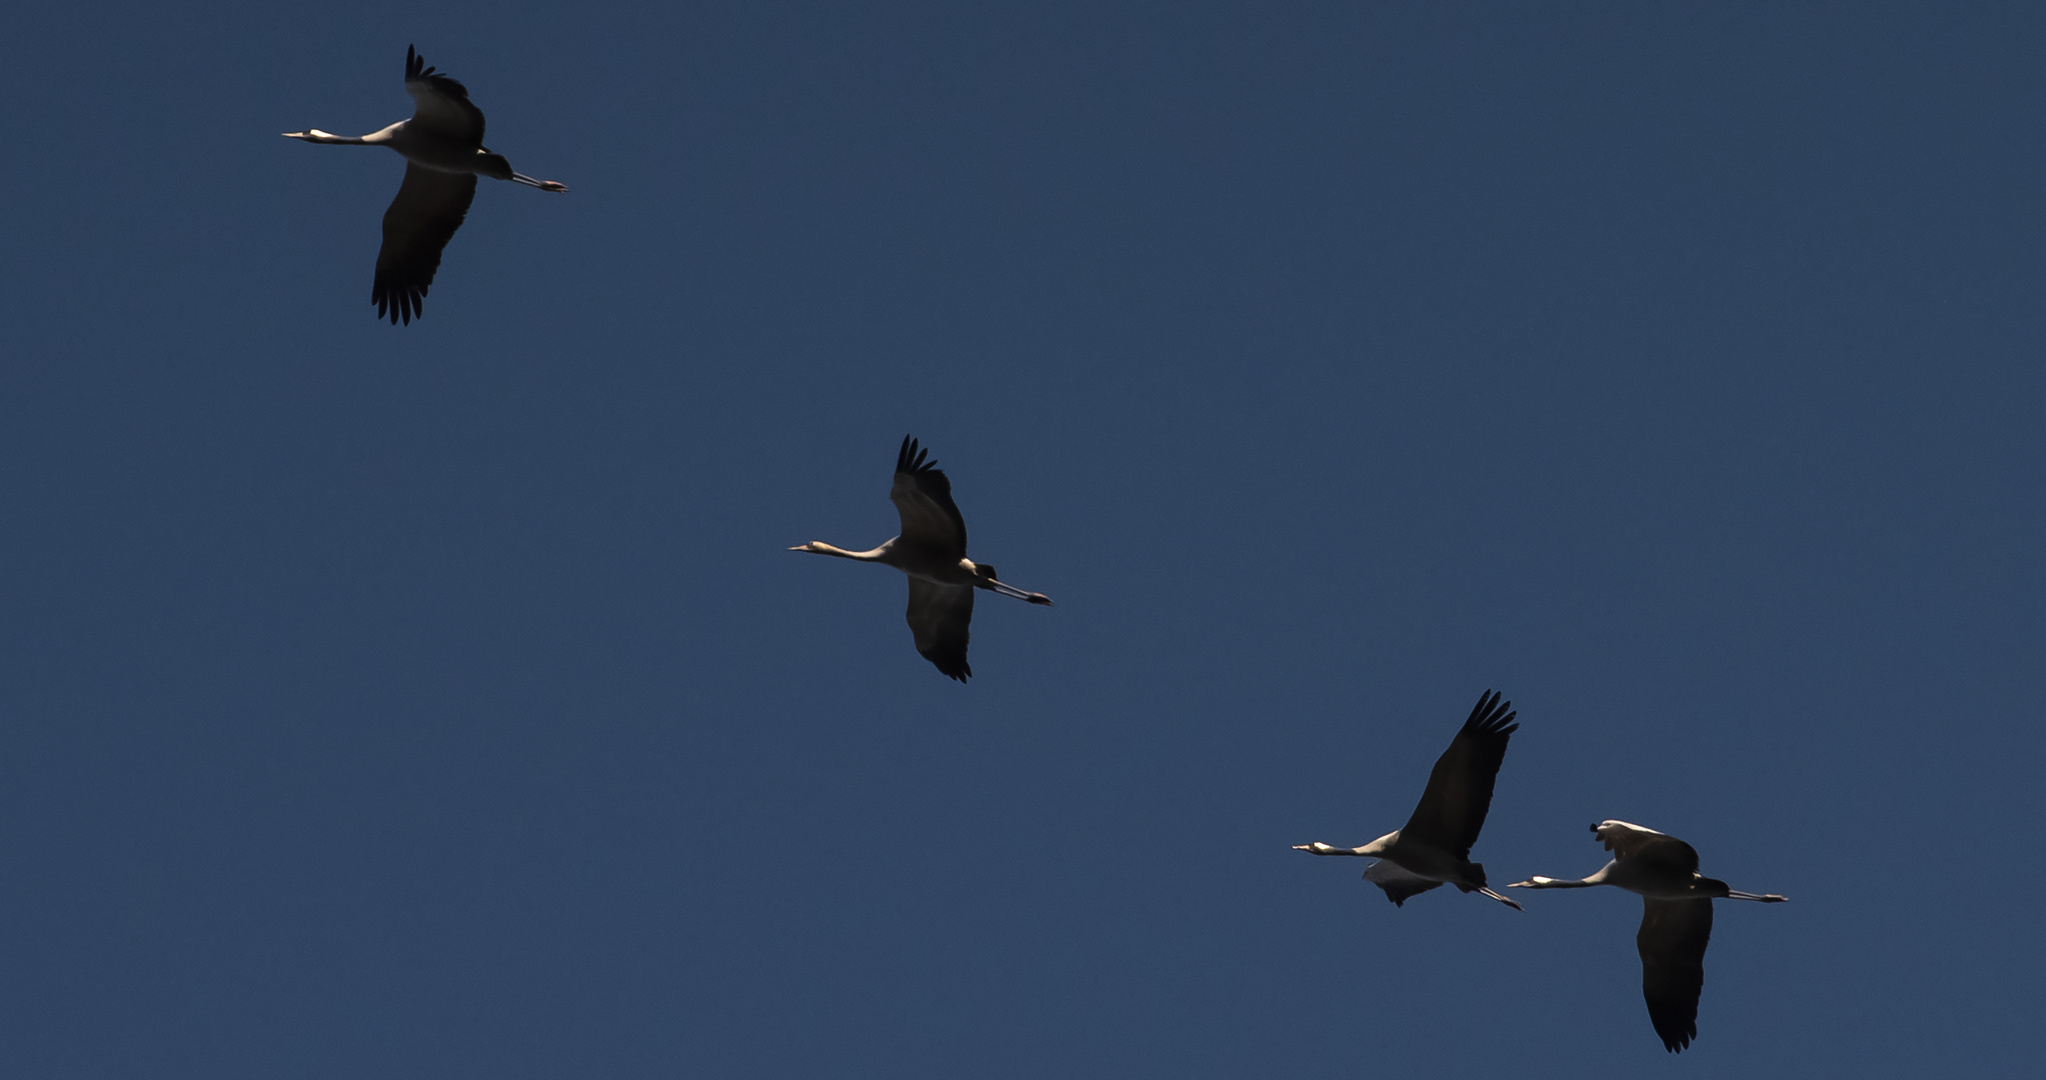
1672	943
1633	843
441	105
429	208
1459	793
939	616
923	497
1397	882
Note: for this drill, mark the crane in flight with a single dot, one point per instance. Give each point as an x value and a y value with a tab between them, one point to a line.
1434	846
932	552
1676	919
444	151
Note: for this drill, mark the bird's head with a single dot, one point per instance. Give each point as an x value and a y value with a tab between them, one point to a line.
811	547
1317	848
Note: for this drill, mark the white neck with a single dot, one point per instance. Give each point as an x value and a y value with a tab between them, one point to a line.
1381	845
328	138
317	136
819	547
1539	882
1376	847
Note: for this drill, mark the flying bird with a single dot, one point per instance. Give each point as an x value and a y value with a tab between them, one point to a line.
1676	919
1434	847
932	552
443	146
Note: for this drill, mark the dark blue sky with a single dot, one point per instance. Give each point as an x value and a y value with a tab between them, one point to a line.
442	700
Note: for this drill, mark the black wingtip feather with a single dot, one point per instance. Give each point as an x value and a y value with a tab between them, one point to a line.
912	459
950	667
1675	1032
1491	716
916	461
396	302
416	69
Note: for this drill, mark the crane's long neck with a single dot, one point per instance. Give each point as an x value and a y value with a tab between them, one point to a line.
1372	850
819	547
382	137
328	139
1539	882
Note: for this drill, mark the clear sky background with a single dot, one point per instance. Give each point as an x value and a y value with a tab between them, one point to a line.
442	700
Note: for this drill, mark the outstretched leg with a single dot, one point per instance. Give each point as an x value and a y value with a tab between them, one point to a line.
1011	590
1504	900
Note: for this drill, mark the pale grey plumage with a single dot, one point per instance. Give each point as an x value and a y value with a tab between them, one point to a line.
1676	919
931	550
443	148
1434	846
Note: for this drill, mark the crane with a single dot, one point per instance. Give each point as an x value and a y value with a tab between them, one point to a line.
1434	846
444	152
1676	919
931	551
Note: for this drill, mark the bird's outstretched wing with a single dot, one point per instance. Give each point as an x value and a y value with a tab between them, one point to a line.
923	497
1459	792
1636	844
1672	941
442	105
429	208
1397	882
939	617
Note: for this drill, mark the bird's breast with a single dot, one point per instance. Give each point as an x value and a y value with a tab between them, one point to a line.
1654	881
937	567
428	150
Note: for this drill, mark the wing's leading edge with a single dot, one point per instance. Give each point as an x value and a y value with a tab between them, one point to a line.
1459	794
441	104
922	495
